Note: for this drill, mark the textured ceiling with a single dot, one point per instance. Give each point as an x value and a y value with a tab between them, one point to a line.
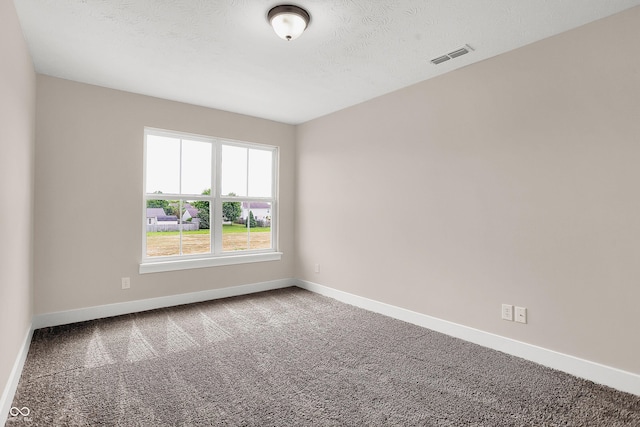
223	54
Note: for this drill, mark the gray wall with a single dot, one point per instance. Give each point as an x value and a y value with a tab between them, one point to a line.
89	169
514	180
17	125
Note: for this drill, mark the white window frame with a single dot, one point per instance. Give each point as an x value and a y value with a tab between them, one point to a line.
216	256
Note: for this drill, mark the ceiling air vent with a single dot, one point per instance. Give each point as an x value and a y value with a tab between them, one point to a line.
440	59
456	53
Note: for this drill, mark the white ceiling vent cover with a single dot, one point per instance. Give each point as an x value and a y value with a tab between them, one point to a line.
451	55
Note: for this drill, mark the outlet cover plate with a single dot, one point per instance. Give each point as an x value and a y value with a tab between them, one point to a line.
507	312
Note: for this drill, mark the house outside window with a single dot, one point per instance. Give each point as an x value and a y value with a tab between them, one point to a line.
207	201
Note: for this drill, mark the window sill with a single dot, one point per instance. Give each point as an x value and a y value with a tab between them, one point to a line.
188	264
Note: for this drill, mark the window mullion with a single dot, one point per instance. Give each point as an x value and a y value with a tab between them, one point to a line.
216	201
274	199
144	200
248	204
180	201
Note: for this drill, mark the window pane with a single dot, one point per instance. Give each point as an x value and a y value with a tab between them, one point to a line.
234	170
196	167
260	165
235	235
259	226
163	236
196	234
163	164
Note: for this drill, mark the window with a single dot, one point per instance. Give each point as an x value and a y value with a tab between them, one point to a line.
207	201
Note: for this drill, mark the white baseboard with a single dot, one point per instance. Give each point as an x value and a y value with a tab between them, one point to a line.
117	309
14	377
596	372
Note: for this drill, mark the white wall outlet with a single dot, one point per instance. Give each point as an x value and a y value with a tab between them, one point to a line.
521	314
507	312
316	268
126	283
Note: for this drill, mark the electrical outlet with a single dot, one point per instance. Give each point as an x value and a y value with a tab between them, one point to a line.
507	312
521	314
317	268
126	283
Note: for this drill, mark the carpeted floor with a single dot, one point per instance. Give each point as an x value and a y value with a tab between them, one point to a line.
292	358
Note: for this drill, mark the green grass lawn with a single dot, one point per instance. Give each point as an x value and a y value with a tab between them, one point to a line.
226	229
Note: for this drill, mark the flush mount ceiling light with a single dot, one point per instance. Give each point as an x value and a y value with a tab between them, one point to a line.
288	21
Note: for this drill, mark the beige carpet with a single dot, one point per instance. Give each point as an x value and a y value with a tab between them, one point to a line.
292	358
